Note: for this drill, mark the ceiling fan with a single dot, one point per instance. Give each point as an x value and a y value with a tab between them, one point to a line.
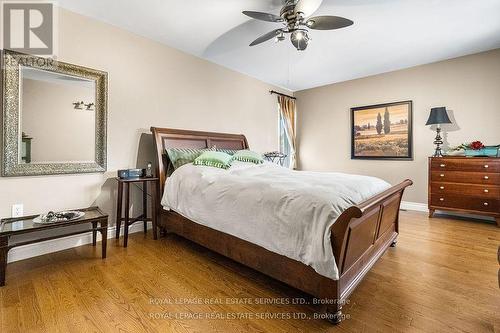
294	17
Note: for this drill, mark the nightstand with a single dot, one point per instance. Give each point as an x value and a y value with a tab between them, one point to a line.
123	199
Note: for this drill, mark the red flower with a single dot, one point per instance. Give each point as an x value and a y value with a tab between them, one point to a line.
476	145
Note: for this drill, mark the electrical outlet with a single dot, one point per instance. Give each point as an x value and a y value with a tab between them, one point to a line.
17	210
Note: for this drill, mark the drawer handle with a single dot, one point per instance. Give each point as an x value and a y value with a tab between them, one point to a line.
441	175
441	199
441	187
486	191
442	165
486	166
486	204
486	177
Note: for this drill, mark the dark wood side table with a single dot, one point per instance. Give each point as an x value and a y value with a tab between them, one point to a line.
124	186
25	225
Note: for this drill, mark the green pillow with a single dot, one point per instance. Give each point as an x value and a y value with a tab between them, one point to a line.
228	151
181	156
214	159
248	156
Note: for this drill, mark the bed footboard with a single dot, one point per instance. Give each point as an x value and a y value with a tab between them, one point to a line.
361	235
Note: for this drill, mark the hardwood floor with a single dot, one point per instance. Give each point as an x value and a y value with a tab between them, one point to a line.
441	277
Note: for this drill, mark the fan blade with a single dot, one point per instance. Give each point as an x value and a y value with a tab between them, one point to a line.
328	22
263	16
266	37
307	7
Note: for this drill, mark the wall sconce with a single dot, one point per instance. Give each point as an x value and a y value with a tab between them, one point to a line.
78	105
83	106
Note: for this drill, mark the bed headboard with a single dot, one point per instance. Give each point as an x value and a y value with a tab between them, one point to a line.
165	138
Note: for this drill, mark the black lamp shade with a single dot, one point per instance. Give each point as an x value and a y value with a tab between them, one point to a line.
438	116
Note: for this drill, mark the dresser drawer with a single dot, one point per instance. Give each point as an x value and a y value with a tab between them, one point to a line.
481	191
466	164
466	177
465	202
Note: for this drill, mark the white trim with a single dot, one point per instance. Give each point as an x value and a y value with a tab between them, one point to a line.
64	243
38	249
418	207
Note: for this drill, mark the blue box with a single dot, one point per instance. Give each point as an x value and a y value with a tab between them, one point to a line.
491	151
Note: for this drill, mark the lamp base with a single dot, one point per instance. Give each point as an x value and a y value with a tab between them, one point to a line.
438	153
438	141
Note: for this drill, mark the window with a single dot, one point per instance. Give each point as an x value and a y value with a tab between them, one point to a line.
285	146
287	129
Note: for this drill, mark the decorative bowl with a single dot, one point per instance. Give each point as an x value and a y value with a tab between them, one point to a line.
64	216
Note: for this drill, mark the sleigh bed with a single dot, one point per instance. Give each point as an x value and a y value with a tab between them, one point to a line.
359	236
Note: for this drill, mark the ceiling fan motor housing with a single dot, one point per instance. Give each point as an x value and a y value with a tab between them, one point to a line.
292	18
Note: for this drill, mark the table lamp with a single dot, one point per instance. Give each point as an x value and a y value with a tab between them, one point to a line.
437	117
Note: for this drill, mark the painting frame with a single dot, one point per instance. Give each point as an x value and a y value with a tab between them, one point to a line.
407	157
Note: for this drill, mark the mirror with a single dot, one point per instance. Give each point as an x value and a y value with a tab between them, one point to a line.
57	117
54	117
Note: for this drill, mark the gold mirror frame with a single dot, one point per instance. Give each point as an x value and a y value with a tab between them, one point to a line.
11	67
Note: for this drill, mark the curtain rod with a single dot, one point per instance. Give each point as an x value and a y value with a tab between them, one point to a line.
278	93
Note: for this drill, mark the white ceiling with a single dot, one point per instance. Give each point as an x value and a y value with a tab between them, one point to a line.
387	34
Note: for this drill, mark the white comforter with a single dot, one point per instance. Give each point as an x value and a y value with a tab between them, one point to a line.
286	212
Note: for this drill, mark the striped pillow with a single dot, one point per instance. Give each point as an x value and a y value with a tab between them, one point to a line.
248	156
180	156
228	151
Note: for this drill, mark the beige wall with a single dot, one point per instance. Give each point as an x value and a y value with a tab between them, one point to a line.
149	85
468	86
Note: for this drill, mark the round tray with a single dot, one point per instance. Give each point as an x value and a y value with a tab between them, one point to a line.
77	215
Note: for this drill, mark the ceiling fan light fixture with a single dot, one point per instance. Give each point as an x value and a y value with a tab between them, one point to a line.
296	21
300	39
280	37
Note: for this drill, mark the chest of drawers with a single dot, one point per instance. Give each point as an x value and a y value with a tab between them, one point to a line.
469	185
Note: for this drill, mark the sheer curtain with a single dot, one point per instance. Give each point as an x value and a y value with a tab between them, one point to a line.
288	113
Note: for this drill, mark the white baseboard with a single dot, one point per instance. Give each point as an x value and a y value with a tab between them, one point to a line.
419	207
64	243
38	249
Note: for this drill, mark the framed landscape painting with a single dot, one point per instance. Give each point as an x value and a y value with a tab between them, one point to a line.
382	131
